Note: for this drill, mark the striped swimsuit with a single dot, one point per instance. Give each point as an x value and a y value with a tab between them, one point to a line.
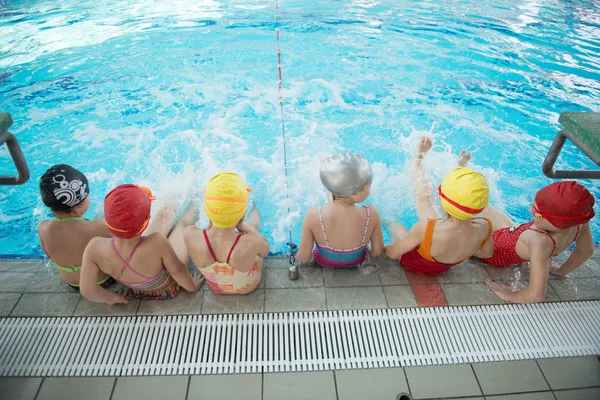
327	256
162	286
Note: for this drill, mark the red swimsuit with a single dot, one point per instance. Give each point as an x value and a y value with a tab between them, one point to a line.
419	259
505	245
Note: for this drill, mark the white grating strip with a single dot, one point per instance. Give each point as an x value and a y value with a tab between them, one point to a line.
306	341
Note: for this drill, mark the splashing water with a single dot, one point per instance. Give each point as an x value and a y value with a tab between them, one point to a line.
168	94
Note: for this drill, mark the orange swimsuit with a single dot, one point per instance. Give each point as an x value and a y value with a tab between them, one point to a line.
419	259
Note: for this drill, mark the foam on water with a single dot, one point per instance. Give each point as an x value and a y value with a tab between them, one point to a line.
167	94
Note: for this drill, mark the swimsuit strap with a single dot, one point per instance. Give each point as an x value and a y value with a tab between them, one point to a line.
362	242
489	235
547	234
237	239
323	226
70	219
126	263
212	253
424	248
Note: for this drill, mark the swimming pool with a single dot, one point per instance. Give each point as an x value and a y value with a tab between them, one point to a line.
168	93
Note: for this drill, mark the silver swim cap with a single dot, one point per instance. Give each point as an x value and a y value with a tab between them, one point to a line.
346	174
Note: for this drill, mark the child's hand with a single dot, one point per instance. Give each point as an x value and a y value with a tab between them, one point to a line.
502	291
464	158
198	279
119	297
424	145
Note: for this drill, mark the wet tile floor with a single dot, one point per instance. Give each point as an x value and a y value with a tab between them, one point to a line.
554	379
34	288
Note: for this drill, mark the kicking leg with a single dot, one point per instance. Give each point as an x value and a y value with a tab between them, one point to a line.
421	184
163	219
253	218
189	218
499	219
397	231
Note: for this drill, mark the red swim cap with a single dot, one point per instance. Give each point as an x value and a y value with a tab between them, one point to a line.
127	210
565	204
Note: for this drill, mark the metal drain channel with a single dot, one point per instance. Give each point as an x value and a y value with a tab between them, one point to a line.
303	341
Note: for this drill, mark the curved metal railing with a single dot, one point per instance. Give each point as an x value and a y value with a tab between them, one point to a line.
15	153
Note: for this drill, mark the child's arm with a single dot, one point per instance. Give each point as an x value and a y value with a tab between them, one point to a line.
41	240
178	270
87	280
377	247
583	251
307	240
100	228
264	246
540	250
412	239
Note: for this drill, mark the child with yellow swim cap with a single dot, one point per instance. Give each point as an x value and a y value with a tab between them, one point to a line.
229	253
435	244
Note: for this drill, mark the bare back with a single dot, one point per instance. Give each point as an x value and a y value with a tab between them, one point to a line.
563	239
64	242
454	242
246	252
147	259
344	226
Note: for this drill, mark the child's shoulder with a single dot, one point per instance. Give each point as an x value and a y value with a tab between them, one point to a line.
372	209
312	212
155	238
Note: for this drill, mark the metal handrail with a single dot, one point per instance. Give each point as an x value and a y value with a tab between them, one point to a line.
566	119
15	153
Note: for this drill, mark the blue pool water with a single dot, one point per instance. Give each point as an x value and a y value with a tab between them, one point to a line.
167	93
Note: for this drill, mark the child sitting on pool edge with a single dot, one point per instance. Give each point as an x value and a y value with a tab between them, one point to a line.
435	244
338	235
153	266
561	215
66	192
229	253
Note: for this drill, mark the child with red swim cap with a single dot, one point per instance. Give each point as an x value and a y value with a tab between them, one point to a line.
561	214
154	266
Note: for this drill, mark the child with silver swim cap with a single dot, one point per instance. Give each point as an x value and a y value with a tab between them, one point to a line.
438	242
338	235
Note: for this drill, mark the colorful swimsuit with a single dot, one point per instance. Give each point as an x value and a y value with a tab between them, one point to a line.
505	244
161	286
327	256
419	259
105	283
224	279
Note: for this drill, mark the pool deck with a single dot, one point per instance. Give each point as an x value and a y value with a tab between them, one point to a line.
34	288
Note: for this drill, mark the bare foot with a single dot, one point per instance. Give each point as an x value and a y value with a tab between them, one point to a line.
464	158
424	146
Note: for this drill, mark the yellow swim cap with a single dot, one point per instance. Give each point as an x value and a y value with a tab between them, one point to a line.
226	199
463	193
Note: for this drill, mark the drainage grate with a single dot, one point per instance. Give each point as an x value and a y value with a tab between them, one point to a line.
305	341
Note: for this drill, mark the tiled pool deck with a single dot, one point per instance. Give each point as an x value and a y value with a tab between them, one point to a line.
34	288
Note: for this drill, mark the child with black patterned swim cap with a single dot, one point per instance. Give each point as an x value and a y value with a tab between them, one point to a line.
65	190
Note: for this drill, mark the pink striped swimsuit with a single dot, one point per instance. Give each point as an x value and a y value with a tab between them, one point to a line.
327	256
161	286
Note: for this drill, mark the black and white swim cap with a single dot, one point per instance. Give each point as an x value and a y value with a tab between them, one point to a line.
63	187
